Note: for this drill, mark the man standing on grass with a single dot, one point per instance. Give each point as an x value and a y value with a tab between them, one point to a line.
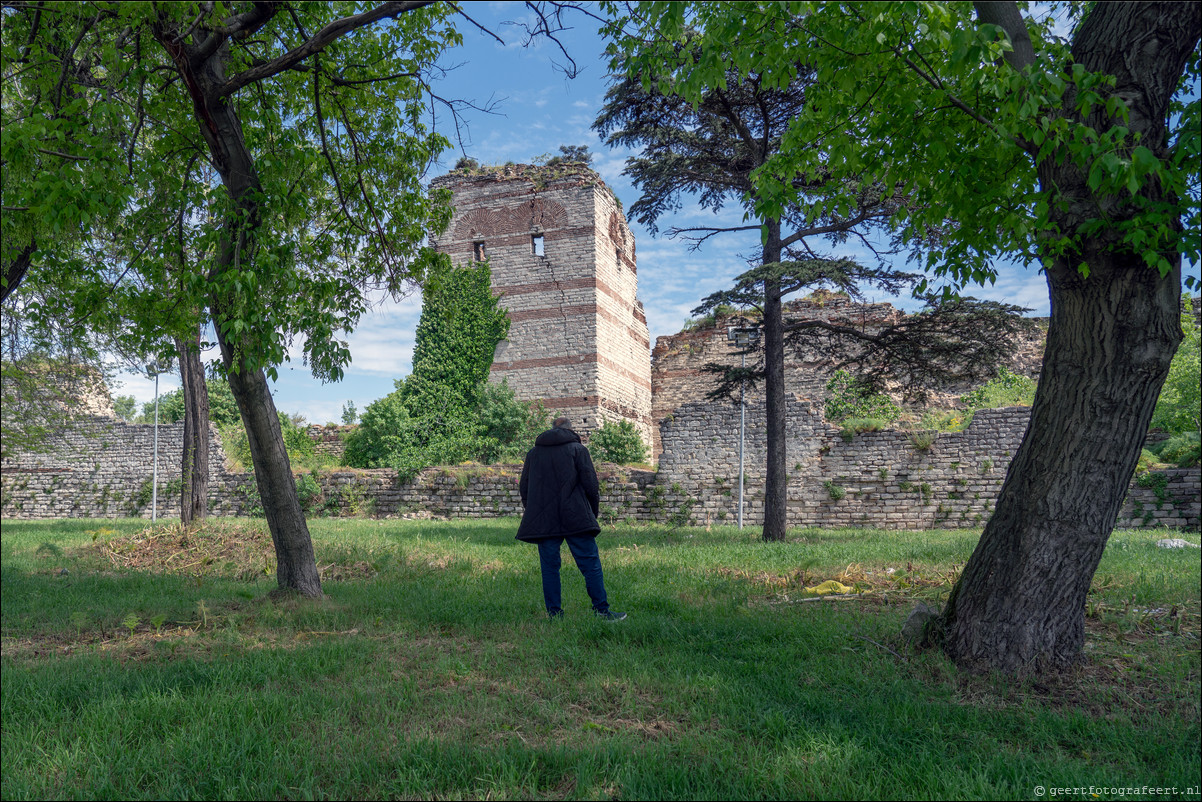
561	498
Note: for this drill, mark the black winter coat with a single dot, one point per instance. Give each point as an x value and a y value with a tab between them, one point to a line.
559	488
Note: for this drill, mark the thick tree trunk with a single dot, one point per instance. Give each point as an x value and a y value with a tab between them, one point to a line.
219	124
775	478
296	566
1020	603
194	495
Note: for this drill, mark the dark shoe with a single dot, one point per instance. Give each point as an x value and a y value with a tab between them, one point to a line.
555	616
610	615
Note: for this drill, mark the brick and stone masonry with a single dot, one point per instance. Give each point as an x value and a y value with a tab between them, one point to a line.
678	378
101	468
563	262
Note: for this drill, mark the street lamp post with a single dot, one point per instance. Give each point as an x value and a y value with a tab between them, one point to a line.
154	368
743	338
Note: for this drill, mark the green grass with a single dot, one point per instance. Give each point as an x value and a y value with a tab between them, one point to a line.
430	671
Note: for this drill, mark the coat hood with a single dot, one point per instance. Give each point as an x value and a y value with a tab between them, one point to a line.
557	437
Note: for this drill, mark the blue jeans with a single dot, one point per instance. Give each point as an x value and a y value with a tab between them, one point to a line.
584	551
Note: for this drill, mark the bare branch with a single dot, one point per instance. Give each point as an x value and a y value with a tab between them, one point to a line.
459	10
318	42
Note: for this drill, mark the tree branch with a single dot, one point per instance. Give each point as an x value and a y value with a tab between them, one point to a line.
318	42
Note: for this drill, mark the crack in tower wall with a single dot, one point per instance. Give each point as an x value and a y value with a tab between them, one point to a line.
578	339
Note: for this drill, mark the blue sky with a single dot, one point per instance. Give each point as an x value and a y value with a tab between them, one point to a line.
537	109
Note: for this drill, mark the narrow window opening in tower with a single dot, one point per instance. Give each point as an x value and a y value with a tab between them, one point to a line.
478	252
618	257
536	245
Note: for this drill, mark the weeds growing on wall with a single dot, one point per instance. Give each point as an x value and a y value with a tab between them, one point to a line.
446	412
847	398
1183	450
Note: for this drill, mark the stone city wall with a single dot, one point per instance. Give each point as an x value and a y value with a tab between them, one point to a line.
887	479
677	362
102	469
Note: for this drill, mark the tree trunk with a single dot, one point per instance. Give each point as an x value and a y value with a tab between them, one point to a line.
1020	603
296	566
194	495
775	477
219	124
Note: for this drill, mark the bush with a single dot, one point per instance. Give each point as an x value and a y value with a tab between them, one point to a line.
858	425
1183	450
499	428
1147	461
848	397
1179	408
296	440
385	430
508	426
1007	389
301	450
945	420
235	445
223	410
308	491
617	442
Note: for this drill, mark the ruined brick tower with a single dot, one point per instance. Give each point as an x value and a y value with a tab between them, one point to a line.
562	260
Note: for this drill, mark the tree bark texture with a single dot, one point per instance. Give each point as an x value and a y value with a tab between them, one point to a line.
194	495
1020	603
775	477
219	124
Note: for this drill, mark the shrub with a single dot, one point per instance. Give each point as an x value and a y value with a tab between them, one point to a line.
1183	450
848	397
390	437
223	410
235	445
837	493
922	441
309	491
945	420
508	426
1007	389
617	442
383	430
296	440
301	451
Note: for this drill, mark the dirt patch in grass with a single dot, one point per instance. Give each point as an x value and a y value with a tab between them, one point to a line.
233	550
227	549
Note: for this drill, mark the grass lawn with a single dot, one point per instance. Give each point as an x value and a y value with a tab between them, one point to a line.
141	664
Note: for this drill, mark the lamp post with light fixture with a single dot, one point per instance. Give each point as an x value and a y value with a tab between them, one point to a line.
743	338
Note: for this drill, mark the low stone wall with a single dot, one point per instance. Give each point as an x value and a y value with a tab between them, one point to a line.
894	480
888	479
102	467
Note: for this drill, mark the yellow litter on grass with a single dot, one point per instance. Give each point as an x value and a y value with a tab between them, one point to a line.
828	588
